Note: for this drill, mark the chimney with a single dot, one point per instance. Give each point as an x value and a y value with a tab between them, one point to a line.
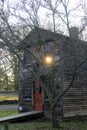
74	32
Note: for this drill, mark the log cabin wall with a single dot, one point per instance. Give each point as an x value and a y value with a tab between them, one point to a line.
74	101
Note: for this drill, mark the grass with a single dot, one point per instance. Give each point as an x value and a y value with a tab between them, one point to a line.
47	126
8	112
8	96
38	125
41	125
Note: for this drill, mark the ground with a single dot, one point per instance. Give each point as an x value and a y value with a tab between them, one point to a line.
47	126
40	124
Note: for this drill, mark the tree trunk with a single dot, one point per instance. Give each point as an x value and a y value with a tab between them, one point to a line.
5	126
54	118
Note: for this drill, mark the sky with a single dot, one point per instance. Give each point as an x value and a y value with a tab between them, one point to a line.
75	17
9	3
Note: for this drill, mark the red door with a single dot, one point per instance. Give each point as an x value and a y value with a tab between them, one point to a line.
38	97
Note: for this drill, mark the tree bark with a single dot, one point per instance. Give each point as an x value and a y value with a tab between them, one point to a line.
54	118
5	126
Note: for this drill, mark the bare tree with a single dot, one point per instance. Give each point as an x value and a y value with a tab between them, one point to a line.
10	37
9	70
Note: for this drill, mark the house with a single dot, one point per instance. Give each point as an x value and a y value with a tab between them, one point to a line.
73	52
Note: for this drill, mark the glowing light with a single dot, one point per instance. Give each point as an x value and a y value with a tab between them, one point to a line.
48	60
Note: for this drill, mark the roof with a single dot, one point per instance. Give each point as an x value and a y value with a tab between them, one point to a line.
38	36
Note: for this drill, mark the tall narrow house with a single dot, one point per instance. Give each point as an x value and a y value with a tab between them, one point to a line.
68	53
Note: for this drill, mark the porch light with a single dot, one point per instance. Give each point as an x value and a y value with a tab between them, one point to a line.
48	60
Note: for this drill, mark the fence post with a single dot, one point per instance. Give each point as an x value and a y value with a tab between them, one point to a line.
5	126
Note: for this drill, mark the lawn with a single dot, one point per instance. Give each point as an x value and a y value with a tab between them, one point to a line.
8	96
8	112
41	125
47	126
38	125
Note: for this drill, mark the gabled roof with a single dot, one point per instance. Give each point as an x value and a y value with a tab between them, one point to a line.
38	36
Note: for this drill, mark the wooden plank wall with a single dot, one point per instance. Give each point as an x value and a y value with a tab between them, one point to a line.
75	100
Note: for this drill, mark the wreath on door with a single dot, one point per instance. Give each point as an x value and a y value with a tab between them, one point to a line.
38	89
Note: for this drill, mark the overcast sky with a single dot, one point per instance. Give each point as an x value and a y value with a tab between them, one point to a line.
72	4
75	17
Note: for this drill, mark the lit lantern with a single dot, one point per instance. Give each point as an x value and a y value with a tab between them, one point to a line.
48	60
